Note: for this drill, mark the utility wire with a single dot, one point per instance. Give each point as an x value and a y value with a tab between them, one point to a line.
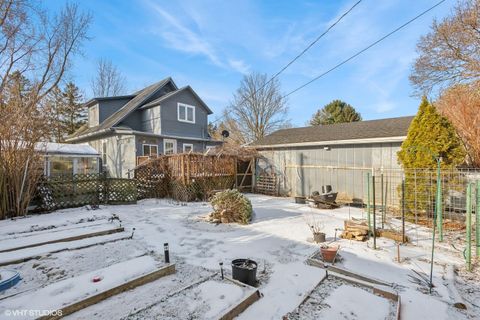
365	49
299	55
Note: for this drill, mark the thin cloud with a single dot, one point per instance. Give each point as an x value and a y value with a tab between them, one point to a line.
181	38
239	65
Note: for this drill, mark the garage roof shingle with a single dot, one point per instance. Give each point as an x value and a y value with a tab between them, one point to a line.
381	128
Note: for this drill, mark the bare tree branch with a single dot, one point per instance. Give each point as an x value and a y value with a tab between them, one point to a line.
109	81
258	108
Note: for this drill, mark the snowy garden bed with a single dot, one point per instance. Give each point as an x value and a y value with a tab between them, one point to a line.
336	298
277	238
72	294
213	298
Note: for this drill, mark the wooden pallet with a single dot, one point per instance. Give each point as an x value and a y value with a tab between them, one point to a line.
267	184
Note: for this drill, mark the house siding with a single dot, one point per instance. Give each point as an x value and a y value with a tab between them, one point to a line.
198	146
302	170
120	154
171	125
108	107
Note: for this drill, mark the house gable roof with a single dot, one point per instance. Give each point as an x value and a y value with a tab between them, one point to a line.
140	97
371	129
173	93
97	99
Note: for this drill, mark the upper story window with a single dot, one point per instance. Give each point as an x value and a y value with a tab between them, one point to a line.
186	113
93	116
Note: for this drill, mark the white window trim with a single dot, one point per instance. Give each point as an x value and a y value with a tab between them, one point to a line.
187	106
187	145
174	145
150	145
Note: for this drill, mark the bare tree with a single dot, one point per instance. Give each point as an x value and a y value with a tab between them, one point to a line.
109	81
450	52
35	52
461	105
258	108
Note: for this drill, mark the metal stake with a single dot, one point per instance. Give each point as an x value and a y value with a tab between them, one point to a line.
221	269
166	253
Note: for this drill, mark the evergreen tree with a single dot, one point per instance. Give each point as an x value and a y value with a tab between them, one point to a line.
336	111
74	112
67	113
53	106
430	135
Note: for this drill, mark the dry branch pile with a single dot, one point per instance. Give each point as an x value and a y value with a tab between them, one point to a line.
231	206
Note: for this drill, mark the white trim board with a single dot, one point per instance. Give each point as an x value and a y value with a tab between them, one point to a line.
333	142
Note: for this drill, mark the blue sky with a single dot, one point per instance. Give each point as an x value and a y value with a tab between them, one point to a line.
210	45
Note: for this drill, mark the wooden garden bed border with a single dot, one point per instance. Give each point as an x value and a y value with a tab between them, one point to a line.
244	304
132	284
360	279
67	239
38	256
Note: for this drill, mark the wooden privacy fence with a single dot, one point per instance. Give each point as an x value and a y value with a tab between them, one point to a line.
185	177
68	191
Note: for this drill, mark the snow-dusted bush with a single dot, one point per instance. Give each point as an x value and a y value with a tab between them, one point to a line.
231	206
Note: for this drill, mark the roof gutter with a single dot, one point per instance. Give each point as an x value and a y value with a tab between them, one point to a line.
149	134
89	135
332	142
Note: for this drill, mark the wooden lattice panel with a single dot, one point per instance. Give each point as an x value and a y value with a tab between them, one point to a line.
267	184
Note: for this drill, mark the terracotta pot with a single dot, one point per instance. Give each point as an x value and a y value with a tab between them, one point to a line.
329	253
319	237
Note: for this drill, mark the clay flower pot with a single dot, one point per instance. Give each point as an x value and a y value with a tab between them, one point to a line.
329	253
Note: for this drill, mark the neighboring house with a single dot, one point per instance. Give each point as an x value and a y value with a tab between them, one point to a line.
340	155
68	159
159	119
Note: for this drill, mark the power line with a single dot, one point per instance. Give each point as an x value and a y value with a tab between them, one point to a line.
364	49
300	54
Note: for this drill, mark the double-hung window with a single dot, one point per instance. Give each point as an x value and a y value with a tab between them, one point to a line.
169	146
186	113
150	150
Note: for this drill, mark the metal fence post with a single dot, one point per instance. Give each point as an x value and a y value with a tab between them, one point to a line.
403	210
368	204
468	250
374	215
381	199
438	204
477	221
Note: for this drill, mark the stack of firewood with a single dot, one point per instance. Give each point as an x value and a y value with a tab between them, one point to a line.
355	230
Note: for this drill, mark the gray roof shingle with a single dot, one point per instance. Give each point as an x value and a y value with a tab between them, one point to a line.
381	128
173	93
140	97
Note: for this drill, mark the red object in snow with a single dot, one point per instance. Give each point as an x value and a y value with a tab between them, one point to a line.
96	279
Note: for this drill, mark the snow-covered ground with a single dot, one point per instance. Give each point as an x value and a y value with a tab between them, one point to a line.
277	238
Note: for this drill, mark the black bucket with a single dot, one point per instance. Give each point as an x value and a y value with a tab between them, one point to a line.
245	271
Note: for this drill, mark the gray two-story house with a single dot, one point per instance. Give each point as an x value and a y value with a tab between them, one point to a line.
159	119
